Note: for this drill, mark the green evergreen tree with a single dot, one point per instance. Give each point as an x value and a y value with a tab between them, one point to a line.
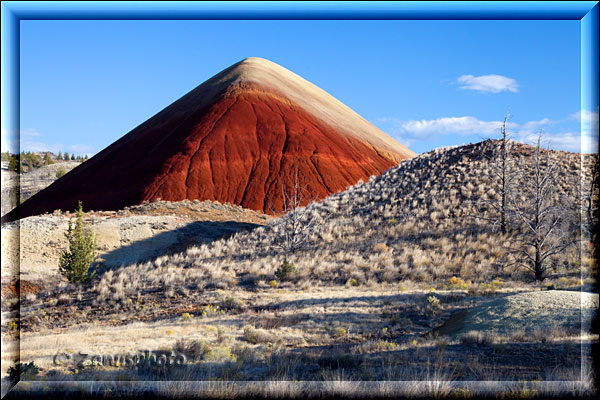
74	263
13	164
60	156
66	156
72	157
48	159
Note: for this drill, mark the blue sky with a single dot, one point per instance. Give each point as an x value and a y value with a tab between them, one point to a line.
429	84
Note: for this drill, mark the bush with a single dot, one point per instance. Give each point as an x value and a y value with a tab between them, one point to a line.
22	371
478	338
233	304
60	172
194	349
285	270
74	263
257	336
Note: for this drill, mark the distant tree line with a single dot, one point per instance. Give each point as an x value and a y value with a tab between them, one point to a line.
28	161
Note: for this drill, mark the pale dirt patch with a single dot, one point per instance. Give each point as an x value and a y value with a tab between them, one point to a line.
526	311
128	236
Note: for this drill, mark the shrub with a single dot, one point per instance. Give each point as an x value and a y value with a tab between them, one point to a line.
60	172
256	336
285	271
477	337
194	349
74	263
340	332
433	302
352	282
458	283
273	283
23	371
232	304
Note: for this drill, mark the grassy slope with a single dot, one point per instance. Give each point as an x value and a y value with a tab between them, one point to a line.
411	228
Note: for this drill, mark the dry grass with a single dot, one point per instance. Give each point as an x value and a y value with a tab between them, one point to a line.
389	260
389	229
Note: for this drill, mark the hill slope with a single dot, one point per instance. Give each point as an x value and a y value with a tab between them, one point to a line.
415	223
235	138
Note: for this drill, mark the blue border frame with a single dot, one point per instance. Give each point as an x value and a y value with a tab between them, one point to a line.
13	12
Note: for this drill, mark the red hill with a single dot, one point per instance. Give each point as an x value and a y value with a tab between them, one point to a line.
235	138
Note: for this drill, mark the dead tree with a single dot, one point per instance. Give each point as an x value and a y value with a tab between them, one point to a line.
589	194
497	212
546	220
295	222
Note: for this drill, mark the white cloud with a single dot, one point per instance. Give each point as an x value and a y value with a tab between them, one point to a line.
8	143
419	131
589	122
32	140
586	116
567	141
488	83
82	149
451	125
531	125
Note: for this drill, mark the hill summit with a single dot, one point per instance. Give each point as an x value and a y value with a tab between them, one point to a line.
236	139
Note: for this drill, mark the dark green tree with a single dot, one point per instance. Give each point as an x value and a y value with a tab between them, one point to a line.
48	159
13	164
60	156
66	156
75	262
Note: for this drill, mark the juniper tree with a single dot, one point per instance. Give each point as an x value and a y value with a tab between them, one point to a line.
74	263
48	159
15	163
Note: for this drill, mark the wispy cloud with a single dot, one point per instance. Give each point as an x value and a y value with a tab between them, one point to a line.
488	83
421	131
589	129
82	149
567	141
32	140
8	142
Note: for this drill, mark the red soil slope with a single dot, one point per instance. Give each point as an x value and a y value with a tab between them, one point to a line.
236	145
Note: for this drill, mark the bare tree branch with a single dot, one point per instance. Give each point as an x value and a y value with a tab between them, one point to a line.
295	222
546	221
